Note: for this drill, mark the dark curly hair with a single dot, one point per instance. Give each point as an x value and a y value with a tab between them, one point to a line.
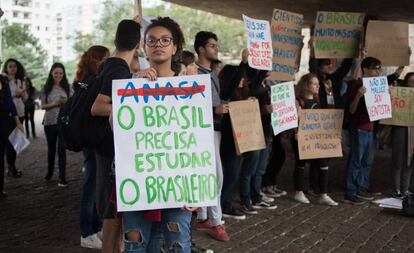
177	34
21	72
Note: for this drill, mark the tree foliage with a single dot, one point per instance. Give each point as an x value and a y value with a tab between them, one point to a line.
19	43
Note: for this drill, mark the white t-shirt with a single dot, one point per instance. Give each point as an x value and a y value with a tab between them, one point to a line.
17	86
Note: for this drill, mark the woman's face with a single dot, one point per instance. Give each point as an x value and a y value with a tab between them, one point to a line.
314	86
159	45
11	68
57	74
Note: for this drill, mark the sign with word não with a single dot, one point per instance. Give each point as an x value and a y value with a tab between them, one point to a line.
164	143
377	98
284	115
320	133
259	43
402	101
337	34
389	42
247	126
287	42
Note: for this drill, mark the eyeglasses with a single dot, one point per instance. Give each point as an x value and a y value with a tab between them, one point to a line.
213	46
164	41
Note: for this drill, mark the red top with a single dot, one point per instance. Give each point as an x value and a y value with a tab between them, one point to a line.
360	118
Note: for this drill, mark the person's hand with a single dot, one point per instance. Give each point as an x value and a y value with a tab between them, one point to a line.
137	18
364	52
189	209
150	73
251	98
222	109
111	121
268	109
245	55
361	91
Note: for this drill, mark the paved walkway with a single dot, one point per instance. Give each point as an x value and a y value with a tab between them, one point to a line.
40	217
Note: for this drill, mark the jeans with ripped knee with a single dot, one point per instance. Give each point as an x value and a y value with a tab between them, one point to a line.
174	227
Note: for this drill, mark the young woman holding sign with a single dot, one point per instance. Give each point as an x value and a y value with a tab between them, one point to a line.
402	151
163	45
308	92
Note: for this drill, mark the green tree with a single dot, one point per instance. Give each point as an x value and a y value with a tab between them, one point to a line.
231	32
19	43
83	42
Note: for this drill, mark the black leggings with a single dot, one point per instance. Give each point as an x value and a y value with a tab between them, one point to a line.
29	118
53	135
11	153
276	160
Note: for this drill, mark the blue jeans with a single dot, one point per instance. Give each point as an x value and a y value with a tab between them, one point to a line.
90	223
178	238
260	171
231	173
360	160
247	175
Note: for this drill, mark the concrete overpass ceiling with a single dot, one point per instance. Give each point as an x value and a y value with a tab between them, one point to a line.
395	10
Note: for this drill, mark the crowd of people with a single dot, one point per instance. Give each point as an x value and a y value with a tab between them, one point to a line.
256	172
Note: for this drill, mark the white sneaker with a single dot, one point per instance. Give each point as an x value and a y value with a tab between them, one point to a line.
300	197
266	198
326	200
91	242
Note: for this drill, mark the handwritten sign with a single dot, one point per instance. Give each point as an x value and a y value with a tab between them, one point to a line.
284	115
402	101
287	41
319	134
259	43
164	143
388	41
377	98
247	126
337	34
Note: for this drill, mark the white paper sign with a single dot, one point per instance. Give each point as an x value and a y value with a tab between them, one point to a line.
164	143
284	115
377	98
259	43
18	140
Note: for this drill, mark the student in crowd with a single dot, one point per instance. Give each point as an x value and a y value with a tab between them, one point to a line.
163	45
116	67
402	152
8	121
307	97
29	108
15	73
188	60
361	131
90	223
206	47
55	93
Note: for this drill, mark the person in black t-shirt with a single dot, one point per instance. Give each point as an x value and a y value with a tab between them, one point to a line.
127	39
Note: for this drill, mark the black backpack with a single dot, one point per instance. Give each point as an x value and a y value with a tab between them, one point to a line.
79	128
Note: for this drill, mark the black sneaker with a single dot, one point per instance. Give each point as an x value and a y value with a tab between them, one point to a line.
397	195
3	195
198	249
248	209
354	200
48	177
365	195
63	183
234	214
264	205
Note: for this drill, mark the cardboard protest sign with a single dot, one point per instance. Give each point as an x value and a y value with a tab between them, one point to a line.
377	98
337	34
284	115
164	143
247	126
402	102
287	41
388	41
259	43
319	134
